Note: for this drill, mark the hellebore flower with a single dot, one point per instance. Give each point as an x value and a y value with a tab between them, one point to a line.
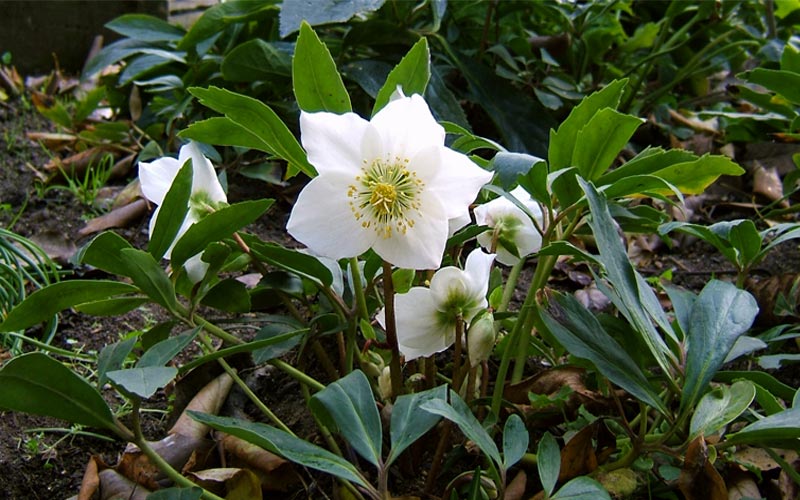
388	184
426	317
157	177
514	231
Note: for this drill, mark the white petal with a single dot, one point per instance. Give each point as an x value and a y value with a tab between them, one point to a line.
333	142
456	223
322	220
195	268
458	182
422	246
156	178
527	239
478	267
204	177
406	126
419	333
448	282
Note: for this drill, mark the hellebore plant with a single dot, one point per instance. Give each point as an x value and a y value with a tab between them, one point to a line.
514	235
207	195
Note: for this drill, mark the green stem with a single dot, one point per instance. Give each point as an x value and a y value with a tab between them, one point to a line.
214	330
391	331
511	285
358	290
53	349
296	374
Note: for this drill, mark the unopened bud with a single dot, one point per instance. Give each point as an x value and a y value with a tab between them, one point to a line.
385	384
480	339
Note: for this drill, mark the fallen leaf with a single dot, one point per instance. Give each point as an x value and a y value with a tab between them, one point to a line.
57	245
232	483
208	400
175	449
699	480
767	182
119	217
778	298
741	485
516	488
90	483
114	486
578	456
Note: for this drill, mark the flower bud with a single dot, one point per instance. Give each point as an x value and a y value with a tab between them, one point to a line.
385	384
480	339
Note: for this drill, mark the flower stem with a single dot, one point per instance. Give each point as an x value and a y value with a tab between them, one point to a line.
391	330
511	285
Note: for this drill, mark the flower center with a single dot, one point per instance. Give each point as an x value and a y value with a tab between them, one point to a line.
386	196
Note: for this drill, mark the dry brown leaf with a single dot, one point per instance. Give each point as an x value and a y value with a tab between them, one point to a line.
90	483
175	449
274	472
114	486
233	483
516	488
57	245
53	141
769	291
767	182
741	485
578	456
118	217
208	400
546	382
76	164
592	298
699	480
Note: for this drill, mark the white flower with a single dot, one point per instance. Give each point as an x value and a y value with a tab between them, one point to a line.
157	177
388	184
426	317
511	226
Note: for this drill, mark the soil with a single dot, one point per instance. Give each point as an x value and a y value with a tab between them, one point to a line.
43	458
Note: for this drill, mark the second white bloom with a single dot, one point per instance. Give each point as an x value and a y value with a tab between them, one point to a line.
513	230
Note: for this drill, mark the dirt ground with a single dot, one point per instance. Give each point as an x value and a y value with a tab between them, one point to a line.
41	459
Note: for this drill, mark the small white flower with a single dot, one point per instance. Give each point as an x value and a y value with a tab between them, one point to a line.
388	184
511	226
156	178
426	317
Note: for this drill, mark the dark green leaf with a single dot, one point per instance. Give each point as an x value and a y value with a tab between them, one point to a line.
720	315
261	121
142	382
548	462
223	131
293	13
515	441
348	406
444	105
217	226
105	252
410	422
292	448
111	358
172	212
582	488
411	74
150	277
774	429
216	18
581	333
509	166
785	83
256	60
114	306
35	383
763	379
317	84
145	28
600	141
166	350
304	265
42	304
276	326
175	493
228	295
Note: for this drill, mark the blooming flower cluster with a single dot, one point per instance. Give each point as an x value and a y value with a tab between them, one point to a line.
156	178
514	234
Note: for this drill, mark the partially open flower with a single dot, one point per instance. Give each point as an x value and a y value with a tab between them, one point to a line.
426	317
388	184
156	178
514	234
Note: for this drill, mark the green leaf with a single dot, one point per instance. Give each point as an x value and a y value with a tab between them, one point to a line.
259	120
142	382
150	278
411	74
176	493
105	252
509	166
720	407
409	422
772	430
746	239
582	488
317	84
229	295
785	83
721	313
216	18
790	58
548	462
582	335
322	12
42	304
763	379
444	104
304	265
145	28
601	140
515	441
35	383
114	306
121	49
276	326
563	142
693	177
256	60
172	212
647	162
403	279
217	226
111	358
630	293
459	413
281	443
166	350
277	340
348	406
222	131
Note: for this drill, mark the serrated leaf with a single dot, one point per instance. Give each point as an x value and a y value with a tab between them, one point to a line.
277	326
411	74
217	17
142	382
348	406
317	84
36	383
409	422
42	304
